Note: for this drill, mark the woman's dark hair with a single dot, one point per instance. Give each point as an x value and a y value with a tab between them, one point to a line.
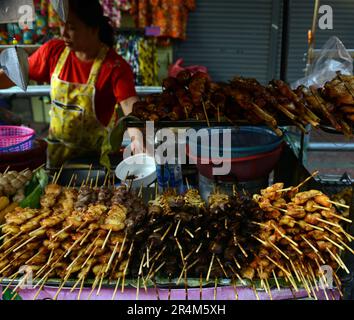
90	12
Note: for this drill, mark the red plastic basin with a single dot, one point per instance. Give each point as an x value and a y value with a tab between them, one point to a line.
242	169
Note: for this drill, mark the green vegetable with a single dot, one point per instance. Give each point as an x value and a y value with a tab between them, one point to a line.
8	295
33	200
34	190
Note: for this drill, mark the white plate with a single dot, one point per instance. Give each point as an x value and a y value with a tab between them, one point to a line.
140	165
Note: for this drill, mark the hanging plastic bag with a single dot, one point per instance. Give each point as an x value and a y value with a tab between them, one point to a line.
177	67
333	57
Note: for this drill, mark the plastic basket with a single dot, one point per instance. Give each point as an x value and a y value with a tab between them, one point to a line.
16	139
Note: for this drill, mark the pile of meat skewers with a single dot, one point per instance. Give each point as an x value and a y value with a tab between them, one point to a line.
302	231
76	234
107	234
186	238
196	97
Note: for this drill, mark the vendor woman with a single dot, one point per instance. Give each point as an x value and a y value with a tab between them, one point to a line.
88	79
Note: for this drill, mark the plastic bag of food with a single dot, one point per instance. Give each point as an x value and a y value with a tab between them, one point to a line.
333	57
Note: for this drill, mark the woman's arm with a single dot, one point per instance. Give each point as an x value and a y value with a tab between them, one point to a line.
5	81
135	134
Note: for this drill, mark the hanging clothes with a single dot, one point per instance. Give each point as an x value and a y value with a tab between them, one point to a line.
141	53
170	15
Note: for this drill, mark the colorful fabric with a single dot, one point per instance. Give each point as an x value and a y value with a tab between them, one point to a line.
170	15
141	53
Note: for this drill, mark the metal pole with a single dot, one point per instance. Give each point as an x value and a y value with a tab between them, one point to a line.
285	40
312	37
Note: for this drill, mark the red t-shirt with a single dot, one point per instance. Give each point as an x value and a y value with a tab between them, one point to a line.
115	81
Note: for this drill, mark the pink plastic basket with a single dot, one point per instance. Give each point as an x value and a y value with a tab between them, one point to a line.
15	139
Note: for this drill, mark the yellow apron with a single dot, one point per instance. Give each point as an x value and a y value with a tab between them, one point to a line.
74	128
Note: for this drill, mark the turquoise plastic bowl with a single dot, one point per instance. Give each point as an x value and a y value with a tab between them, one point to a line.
245	142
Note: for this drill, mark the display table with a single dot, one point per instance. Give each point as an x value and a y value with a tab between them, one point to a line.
220	293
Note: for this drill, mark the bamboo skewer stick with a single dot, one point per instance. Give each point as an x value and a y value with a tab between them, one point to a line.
284	236
178	224
73	245
30	259
189	233
295	271
88	175
137	288
71	181
199	247
268	287
313	277
40	289
311	287
255	291
276	280
236	262
338	284
346	246
278	249
339	260
311	225
328	222
61	286
123	243
39	229
86	236
296	249
304	282
235	289
321	207
186	283
116	289
12	278
307	179
140	194
106	240
278	265
59	174
81	288
259	240
127	265
215	288
50	257
321	273
4	235
210	266
76	284
23	244
222	267
201	287
112	257
167	231
310	244
339	204
187	183
61	231
97	176
334	243
340	217
237	275
94	285
100	284
335	233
